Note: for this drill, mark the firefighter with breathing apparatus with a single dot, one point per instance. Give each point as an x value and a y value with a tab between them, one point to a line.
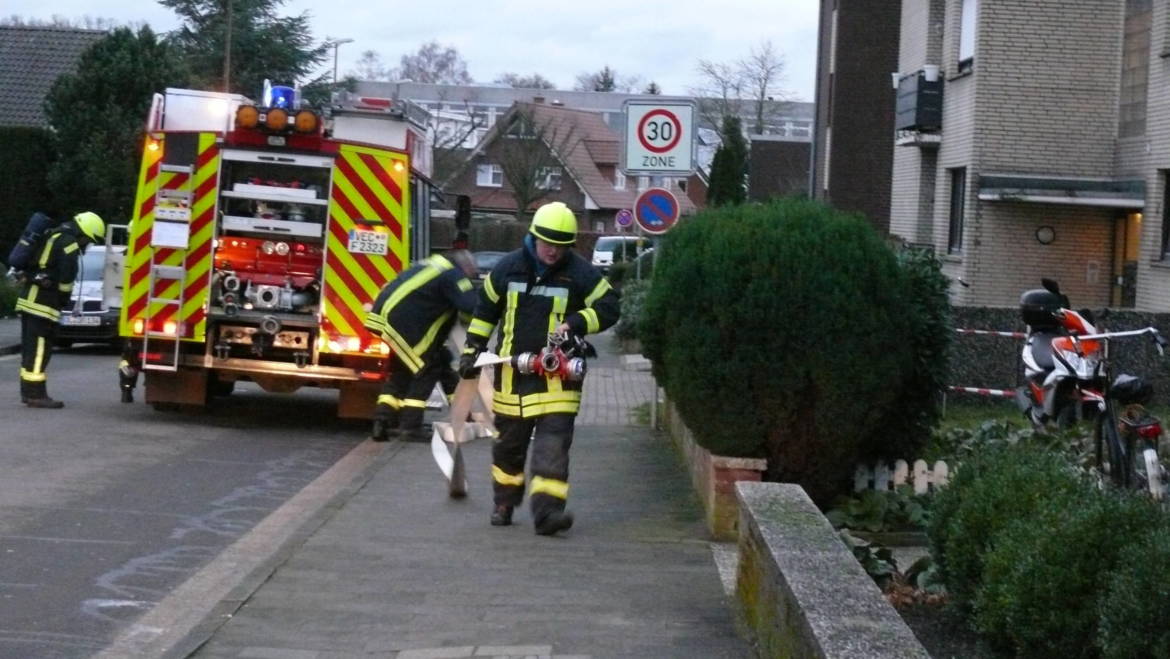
47	286
541	296
413	314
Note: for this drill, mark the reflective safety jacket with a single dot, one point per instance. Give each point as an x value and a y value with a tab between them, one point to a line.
418	307
527	308
50	282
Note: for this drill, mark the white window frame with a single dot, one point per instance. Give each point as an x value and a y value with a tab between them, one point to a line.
967	13
619	180
489	175
550	178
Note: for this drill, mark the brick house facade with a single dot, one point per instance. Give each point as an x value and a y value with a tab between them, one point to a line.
857	50
1051	156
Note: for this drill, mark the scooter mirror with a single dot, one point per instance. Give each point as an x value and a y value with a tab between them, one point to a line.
1050	285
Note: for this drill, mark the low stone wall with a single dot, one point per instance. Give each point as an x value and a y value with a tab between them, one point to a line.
800	590
713	476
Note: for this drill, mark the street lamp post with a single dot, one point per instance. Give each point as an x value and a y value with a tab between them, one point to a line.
336	43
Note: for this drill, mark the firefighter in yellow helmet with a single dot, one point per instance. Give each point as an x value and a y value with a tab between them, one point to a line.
47	287
544	287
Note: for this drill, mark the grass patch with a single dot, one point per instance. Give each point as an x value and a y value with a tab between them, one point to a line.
640	414
964	412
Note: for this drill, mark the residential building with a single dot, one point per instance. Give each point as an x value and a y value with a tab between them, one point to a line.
1048	152
31	59
857	50
463	114
573	156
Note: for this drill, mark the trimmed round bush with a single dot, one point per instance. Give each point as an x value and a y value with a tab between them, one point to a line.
1046	572
988	493
784	331
1135	608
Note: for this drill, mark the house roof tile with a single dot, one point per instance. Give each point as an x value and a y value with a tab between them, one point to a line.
31	59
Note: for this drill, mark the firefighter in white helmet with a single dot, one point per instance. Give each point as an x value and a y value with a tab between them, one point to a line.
540	288
47	287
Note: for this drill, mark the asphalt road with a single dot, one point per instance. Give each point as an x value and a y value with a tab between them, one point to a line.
106	508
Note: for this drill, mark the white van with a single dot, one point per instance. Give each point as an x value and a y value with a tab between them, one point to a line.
627	248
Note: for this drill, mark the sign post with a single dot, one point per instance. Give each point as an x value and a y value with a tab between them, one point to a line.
660	138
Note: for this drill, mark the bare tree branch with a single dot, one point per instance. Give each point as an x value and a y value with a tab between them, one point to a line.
527	150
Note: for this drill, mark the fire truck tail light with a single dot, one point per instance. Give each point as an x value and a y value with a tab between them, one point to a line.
152	144
305	122
353	344
247	116
170	327
398	166
276	119
138	326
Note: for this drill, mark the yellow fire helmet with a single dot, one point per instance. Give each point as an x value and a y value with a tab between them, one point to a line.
91	225
554	223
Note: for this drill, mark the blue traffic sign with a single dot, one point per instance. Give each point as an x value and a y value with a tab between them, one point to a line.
656	210
624	218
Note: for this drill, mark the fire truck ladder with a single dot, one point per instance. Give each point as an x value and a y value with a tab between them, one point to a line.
163	275
171	205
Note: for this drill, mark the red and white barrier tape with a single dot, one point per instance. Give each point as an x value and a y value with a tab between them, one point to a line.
1010	335
1003	393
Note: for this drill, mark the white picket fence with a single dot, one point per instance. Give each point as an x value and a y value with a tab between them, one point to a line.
881	476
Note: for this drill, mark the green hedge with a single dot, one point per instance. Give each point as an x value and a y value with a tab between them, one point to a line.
26	154
633	306
987	493
1046	572
1135	607
781	330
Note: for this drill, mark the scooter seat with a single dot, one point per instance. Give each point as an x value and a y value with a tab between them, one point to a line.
1040	343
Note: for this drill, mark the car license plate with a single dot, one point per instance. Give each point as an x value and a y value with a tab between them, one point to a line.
81	320
368	242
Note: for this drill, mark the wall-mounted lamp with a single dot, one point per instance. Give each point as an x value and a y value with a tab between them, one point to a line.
930	72
1045	235
896	77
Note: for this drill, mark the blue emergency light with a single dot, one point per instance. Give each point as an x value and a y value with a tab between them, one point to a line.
279	96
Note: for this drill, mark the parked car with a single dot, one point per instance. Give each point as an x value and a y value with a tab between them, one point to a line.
485	261
92	313
611	249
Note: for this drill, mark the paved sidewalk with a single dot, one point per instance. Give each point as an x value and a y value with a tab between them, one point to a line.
401	571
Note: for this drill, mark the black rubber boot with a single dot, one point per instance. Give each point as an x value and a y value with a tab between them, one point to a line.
558	520
502	516
383	431
38	397
127	395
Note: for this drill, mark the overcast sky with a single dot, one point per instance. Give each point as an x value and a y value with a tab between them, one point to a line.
660	41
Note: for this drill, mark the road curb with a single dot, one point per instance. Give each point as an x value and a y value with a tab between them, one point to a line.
184	620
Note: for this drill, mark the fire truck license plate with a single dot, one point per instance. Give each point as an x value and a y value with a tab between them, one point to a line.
368	242
81	320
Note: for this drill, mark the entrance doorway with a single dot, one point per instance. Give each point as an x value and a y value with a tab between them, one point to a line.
1127	231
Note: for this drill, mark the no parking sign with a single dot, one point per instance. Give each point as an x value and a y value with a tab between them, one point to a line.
656	210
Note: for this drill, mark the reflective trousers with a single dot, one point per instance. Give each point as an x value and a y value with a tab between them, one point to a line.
36	342
551	435
404	394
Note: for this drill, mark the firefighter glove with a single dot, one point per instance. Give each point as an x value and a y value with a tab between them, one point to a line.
467	368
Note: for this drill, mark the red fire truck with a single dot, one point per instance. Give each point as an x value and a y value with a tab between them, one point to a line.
261	234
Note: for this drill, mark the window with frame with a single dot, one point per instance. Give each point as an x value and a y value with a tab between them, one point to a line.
1164	255
1135	68
550	178
967	34
619	180
958	207
488	175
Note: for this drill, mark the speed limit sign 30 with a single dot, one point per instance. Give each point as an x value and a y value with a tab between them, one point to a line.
660	138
